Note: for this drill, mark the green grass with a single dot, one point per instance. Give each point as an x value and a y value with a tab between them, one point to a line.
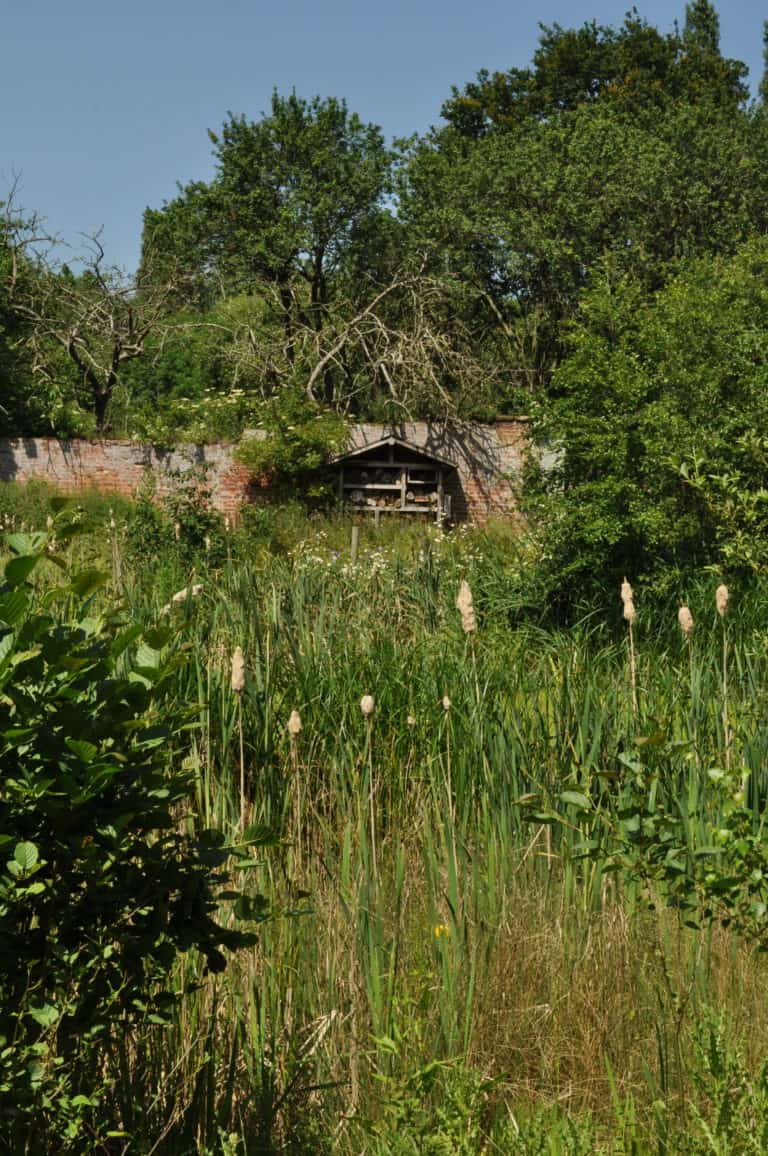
444	974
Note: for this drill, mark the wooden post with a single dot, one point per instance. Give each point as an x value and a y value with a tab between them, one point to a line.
354	543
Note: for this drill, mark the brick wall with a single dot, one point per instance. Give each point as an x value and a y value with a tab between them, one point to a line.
487	458
119	467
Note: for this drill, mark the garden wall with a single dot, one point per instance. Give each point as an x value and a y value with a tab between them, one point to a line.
487	457
119	467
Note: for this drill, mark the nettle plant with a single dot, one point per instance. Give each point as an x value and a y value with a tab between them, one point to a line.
103	878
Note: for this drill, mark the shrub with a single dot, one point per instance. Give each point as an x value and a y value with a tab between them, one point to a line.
299	439
101	885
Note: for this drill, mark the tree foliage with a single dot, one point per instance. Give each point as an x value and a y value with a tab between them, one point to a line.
660	419
634	65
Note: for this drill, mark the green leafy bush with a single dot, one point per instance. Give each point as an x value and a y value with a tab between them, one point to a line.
181	528
102	882
298	440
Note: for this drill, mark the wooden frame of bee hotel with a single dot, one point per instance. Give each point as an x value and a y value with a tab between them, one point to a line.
391	477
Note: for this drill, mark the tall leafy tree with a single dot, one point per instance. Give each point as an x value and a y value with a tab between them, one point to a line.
660	416
527	217
634	64
293	196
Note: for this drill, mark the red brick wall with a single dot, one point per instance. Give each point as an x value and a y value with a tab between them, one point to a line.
487	459
119	467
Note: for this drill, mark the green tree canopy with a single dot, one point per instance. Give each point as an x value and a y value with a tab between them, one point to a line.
660	422
292	195
634	64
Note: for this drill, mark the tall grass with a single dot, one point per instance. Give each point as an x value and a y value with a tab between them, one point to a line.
439	969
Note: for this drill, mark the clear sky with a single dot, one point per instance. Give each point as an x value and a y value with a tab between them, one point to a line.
105	106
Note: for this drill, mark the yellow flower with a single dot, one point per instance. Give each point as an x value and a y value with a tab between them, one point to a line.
440	930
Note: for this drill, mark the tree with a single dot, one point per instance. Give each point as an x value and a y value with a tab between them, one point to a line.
526	219
660	418
635	65
17	408
80	329
294	196
702	27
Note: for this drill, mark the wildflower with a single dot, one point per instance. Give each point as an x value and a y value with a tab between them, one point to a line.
440	930
411	721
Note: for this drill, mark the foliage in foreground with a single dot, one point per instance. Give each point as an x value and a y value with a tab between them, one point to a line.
102	884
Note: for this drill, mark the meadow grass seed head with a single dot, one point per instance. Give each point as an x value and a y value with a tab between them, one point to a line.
465	606
721	600
238	670
181	596
293	726
630	614
627	593
367	705
447	704
685	618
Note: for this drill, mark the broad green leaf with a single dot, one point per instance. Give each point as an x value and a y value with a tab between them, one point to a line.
26	543
122	641
6	645
13	604
84	750
147	657
88	581
157	637
24	655
19	569
576	799
46	1015
26	855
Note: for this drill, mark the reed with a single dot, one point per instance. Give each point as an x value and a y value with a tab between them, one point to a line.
630	617
237	683
426	938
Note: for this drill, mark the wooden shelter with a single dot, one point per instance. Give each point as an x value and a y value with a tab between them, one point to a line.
390	476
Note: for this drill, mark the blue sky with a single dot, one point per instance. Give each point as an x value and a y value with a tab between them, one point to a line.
105	106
